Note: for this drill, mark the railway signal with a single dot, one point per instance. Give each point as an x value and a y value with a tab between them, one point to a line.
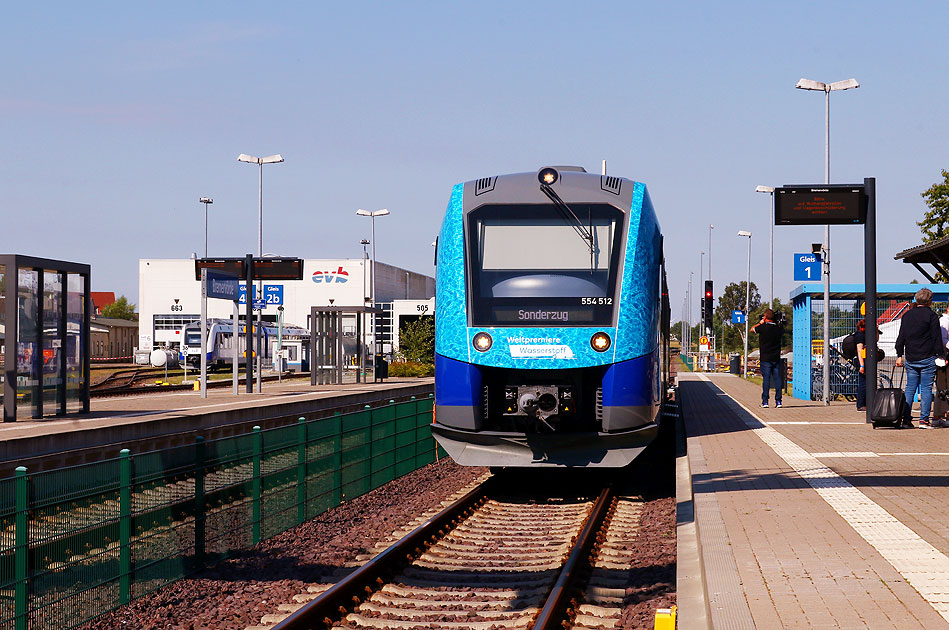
707	309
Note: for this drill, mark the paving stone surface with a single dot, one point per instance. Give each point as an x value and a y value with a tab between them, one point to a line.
810	518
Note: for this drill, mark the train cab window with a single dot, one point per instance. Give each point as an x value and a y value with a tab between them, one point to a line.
193	338
532	266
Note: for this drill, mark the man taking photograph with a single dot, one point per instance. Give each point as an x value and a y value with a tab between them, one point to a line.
769	348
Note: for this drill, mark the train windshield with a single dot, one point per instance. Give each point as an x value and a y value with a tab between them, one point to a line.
193	338
535	267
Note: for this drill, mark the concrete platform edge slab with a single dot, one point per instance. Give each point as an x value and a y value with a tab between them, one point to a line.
691	596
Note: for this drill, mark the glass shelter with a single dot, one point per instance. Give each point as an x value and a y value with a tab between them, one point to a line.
44	337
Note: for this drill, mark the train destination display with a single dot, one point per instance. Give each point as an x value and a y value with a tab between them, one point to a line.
264	268
831	204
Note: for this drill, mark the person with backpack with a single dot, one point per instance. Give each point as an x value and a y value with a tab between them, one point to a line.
921	340
854	348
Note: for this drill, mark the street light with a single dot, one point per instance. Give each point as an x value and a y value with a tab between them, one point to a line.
770	189
250	159
372	277
712	333
747	296
205	201
826	88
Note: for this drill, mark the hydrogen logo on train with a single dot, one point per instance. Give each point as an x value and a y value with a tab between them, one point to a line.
326	277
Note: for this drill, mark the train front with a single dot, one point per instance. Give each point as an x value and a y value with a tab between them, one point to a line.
547	333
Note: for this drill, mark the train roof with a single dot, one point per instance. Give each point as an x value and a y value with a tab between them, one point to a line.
572	183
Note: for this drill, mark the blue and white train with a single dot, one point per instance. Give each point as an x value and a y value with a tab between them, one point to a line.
220	344
551	345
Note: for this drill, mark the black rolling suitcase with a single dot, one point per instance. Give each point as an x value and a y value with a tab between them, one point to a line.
889	405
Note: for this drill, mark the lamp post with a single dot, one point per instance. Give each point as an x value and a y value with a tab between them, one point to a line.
770	189
206	201
826	88
363	344
712	332
747	297
372	277
250	159
691	273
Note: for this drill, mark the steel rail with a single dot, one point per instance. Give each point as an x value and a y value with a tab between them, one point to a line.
348	593
551	616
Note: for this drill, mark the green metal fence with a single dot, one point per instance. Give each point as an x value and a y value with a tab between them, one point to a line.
80	541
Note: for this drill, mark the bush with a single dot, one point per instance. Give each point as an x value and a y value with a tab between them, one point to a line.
411	368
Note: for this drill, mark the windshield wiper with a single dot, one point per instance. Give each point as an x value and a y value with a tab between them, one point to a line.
570	216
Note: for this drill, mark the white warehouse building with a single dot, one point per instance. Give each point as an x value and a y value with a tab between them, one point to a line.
169	296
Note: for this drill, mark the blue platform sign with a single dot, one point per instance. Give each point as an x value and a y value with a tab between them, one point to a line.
272	294
738	317
806	267
222	285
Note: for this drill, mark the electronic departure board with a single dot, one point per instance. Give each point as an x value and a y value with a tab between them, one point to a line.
264	268
278	269
831	204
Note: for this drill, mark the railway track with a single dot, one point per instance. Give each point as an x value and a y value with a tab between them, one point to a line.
490	559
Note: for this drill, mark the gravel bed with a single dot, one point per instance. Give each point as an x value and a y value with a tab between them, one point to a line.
237	592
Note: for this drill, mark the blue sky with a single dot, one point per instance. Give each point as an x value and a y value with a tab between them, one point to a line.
117	117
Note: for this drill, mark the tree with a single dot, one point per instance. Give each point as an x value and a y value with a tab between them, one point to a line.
935	223
733	299
120	309
417	340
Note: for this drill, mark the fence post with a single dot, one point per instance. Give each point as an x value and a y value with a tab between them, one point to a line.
199	502
301	469
125	526
257	483
434	441
22	541
338	474
372	450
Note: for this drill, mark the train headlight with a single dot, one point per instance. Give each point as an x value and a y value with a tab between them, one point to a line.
600	342
548	176
482	342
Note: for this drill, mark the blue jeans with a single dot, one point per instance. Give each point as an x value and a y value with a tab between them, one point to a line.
771	377
920	374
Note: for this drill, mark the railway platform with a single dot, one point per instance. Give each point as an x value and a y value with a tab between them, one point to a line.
807	517
159	420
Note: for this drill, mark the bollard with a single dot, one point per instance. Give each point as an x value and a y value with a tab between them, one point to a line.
665	618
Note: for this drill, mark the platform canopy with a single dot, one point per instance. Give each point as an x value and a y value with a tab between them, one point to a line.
857	291
935	253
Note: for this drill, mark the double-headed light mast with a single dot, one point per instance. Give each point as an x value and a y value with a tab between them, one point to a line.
826	88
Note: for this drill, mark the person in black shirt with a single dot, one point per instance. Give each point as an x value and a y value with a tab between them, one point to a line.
858	361
921	340
769	349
